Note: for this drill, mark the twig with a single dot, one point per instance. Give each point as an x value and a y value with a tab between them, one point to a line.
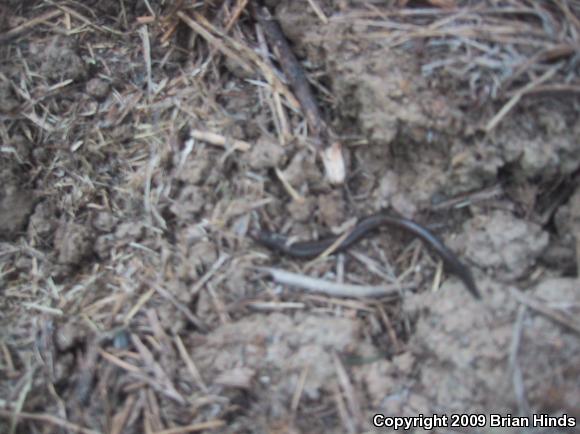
193	371
144	33
555	89
549	54
202	426
181	307
519	387
288	187
352	402
240	6
214	41
299	390
21	399
468	199
329	288
518	95
157	378
81	17
390	330
120	419
540	306
118	362
332	248
293	71
318	11
209	274
346	420
275	305
569	14
278	112
29	25
49	419
221	39
577	252
325	141
219	140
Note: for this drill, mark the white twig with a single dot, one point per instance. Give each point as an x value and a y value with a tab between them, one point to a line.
219	140
318	11
329	288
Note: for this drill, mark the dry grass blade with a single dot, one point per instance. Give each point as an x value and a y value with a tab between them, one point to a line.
299	389
559	90
327	146
215	42
181	307
239	8
223	40
539	306
197	427
318	11
210	273
119	362
493	51
291	191
143	32
346	420
516	98
28	26
332	248
349	391
119	420
193	371
219	140
50	420
160	380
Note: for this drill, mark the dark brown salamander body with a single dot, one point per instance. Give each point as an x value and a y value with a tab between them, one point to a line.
311	249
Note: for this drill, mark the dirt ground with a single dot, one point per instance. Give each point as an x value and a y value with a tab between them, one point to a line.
142	141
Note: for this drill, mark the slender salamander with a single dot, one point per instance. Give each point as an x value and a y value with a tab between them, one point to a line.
311	249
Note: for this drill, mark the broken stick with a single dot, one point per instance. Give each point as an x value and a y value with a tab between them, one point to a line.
325	140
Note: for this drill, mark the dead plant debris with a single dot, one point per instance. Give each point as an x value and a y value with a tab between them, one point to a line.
141	141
